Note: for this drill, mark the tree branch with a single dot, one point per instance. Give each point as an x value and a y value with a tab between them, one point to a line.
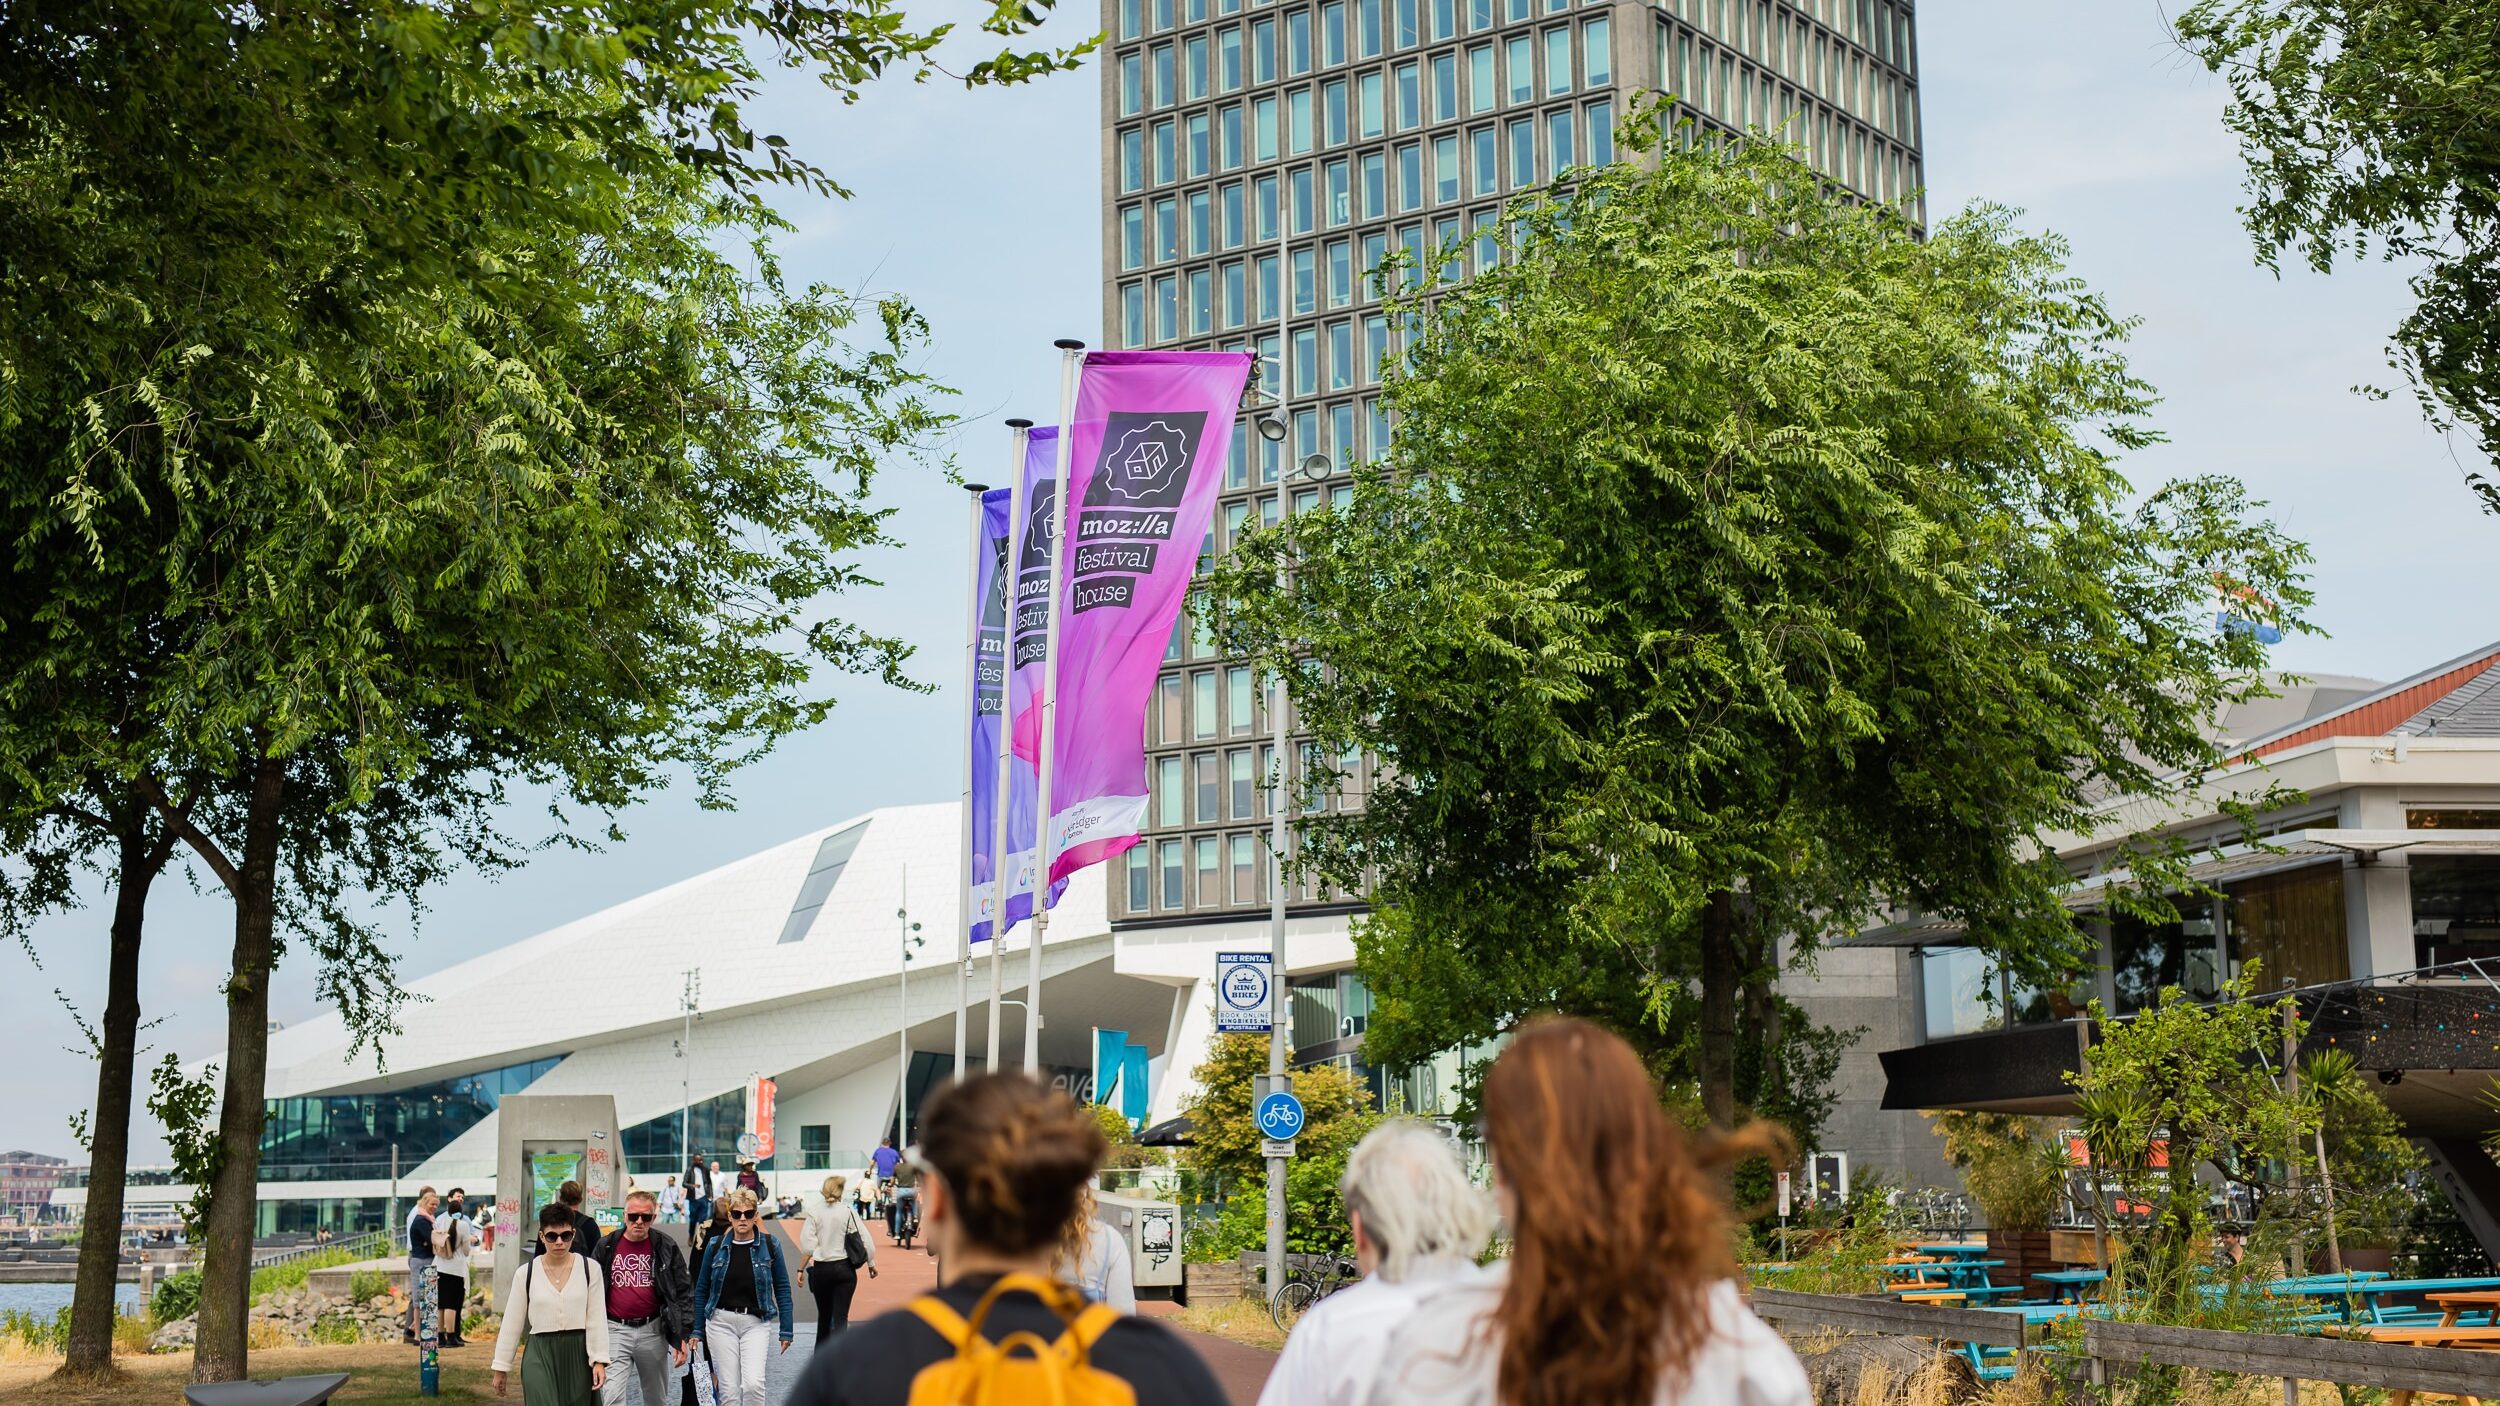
178	823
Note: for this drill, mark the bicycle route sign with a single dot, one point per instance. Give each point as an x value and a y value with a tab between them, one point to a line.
1242	991
1280	1116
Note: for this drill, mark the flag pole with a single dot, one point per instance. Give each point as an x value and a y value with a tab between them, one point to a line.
1071	357
972	723
1004	805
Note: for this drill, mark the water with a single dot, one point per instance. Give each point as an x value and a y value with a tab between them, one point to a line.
45	1300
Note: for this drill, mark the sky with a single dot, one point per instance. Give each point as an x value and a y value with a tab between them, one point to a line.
982	208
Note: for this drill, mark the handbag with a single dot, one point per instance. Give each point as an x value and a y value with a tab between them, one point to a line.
854	1245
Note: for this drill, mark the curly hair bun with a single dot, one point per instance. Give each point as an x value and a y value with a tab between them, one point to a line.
1014	1155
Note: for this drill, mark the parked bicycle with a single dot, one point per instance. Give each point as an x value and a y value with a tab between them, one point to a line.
1307	1281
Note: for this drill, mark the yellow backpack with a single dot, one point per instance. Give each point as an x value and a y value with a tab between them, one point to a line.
1021	1369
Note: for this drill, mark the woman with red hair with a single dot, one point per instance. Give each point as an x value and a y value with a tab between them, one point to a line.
1619	1288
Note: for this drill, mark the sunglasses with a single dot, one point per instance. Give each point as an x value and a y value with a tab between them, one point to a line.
742	1215
556	1237
638	1217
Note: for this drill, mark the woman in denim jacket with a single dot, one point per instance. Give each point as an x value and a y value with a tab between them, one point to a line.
743	1283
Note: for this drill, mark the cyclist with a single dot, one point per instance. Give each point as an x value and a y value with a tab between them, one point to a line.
906	1199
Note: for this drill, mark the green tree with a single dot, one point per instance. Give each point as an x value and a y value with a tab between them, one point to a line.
2182	1089
2367	126
1742	563
1225	1141
388	365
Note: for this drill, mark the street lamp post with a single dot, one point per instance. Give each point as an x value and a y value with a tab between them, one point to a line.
909	935
690	1008
1273	428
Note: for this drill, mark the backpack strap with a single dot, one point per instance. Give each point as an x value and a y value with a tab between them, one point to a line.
1087	1330
949	1324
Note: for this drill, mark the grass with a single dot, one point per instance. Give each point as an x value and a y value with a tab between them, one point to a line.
383	1374
1243	1321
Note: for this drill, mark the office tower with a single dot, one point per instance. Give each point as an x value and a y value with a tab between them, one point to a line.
1372	126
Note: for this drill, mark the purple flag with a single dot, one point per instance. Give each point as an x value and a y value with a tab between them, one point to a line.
1011	646
1149	441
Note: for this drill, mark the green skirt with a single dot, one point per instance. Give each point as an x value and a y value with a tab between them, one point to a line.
556	1371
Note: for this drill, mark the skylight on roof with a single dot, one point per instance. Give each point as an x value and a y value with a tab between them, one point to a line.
823	872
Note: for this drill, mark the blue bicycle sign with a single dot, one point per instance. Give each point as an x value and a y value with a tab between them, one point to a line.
1280	1116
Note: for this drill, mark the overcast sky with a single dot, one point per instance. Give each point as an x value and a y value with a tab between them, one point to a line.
983	209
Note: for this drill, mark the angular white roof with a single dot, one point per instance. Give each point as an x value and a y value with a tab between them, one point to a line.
491	1010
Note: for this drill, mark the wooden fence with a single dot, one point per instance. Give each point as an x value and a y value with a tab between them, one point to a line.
2125	1347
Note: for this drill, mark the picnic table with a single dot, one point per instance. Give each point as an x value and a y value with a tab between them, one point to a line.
2068	1285
2454	1306
2484	1339
2373	1294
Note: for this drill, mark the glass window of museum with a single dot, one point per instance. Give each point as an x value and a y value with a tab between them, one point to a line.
1372	128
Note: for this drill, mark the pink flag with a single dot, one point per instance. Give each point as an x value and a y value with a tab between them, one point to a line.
1151	434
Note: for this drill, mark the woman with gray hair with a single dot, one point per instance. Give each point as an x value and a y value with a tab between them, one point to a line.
1418	1225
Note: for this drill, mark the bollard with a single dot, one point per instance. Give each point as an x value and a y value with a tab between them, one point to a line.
426	1296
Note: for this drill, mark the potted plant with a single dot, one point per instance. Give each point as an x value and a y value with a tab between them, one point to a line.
2015	1168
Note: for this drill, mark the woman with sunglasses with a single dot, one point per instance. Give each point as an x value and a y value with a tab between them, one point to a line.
744	1282
558	1303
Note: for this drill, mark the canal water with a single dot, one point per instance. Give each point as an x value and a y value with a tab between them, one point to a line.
45	1300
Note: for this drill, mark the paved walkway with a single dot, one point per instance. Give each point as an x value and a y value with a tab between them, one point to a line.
902	1273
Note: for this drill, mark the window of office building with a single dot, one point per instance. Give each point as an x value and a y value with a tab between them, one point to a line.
1522	153
1132	237
1141	881
1522	66
1298	195
1596	55
1410	177
1208	862
2292	923
1298	122
1305	299
1167	82
1202	714
1370	105
1601	133
1168	727
1488	165
1333	115
1249	874
1209	788
1194	67
1558	139
1132	18
1557	61
1297	43
1338	182
1243	789
1445	173
1132	314
1263	51
1481	92
1340	356
1132	83
1340	272
1375	184
1228	59
1175	890
1132	160
1332	34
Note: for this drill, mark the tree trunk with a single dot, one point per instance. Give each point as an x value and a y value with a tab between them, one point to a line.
222	1347
1720	977
99	1241
2326	1185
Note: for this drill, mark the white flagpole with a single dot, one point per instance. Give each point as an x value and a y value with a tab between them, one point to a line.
1071	357
999	863
972	718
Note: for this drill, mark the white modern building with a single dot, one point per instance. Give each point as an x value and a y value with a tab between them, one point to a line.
799	948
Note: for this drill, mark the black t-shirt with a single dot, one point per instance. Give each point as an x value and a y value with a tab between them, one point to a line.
421	1236
873	1363
737	1279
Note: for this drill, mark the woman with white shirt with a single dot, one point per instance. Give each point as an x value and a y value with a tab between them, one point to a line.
824	1257
1619	1286
558	1302
1094	1257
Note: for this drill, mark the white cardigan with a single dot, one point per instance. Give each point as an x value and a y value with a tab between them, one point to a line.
821	1234
582	1303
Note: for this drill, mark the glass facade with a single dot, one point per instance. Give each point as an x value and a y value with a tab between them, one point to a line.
350	1136
1361	128
823	872
2456	907
654	1148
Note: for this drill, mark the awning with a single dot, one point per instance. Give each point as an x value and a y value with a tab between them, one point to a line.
1171	1132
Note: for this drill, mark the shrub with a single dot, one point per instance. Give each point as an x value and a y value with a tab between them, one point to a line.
368	1284
337	1328
178	1296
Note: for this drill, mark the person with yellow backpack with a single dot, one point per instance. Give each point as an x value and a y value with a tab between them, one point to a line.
1005	1159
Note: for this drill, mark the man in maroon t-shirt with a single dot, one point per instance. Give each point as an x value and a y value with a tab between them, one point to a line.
650	1302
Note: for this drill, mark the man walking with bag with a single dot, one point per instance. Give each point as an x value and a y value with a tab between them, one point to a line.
650	1306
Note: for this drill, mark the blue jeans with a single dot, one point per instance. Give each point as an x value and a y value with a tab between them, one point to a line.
906	1204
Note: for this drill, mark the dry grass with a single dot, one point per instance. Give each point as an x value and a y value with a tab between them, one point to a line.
1243	1321
2034	1388
383	1374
